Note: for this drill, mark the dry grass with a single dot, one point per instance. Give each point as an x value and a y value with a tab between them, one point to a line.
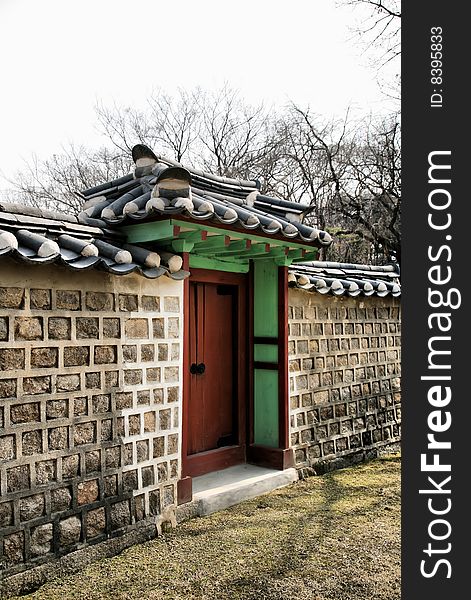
334	537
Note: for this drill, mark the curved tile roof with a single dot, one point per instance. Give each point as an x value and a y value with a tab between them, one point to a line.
37	236
162	187
346	278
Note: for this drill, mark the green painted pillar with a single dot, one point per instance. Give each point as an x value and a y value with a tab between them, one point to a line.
266	388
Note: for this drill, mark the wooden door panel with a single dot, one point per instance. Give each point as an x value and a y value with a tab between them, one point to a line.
219	394
216	399
213	393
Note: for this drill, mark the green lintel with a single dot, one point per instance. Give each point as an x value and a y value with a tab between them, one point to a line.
163	230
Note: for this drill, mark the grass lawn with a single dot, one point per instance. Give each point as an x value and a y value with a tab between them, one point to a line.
333	537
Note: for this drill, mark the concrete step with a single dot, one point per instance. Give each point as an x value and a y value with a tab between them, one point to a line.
221	489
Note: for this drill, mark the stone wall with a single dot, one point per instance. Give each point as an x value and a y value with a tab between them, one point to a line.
90	395
344	362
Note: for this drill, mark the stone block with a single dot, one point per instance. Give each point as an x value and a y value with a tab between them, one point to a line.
148	477
43	358
142	450
143	397
68	299
70	530
28	328
41	540
168	496
87	492
87	328
172	304
105	355
147	352
171	374
84	433
101	403
32	443
127	302
154	502
133	376
162	352
31	507
134	424
136	328
93	380
95	522
46	471
12	358
320	397
129	353
99	301
106	430
123	400
150	303
61	499
172	394
40	299
37	385
172	444
111	379
68	383
164	419
58	438
59	328
80	406
174	351
76	356
162	472
139	507
158	328
158	395
110	486
6	514
25	413
120	515
130	482
112	457
3	329
11	297
18	478
158	445
7	447
153	375
70	466
13	548
111	328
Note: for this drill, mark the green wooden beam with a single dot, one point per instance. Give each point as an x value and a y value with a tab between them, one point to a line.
313	255
170	230
235	248
154	231
203	262
215	242
182	245
297	253
193	236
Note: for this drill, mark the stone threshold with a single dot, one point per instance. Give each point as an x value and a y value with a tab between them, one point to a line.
222	489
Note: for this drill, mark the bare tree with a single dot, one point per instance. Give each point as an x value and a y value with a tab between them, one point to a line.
347	173
381	28
53	183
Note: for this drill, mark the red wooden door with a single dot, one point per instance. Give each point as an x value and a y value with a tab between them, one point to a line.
215	436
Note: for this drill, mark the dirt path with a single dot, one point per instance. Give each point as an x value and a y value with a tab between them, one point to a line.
335	537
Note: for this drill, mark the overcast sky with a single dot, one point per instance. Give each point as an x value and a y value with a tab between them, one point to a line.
59	57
